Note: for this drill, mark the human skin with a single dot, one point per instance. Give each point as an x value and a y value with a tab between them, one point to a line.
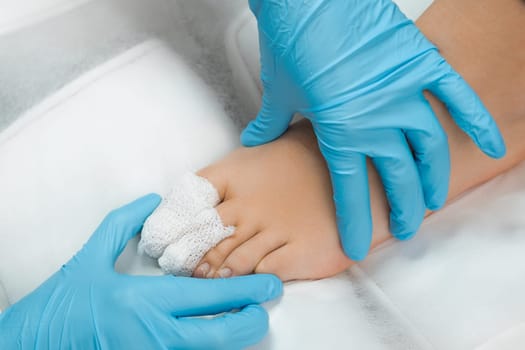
279	195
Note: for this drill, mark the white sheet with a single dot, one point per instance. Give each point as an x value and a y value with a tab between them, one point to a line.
15	14
125	129
511	339
462	280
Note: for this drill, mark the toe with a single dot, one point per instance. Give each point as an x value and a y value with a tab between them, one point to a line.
244	259
231	214
182	257
215	258
280	263
290	262
215	175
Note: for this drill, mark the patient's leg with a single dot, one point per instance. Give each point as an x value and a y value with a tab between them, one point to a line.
279	195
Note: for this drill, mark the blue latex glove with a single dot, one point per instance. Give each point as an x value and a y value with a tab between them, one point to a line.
87	305
357	70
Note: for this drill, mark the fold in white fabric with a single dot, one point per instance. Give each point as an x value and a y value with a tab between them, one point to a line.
16	14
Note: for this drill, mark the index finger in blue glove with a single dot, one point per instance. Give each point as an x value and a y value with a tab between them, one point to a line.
119	226
352	200
430	147
468	111
402	185
214	296
229	331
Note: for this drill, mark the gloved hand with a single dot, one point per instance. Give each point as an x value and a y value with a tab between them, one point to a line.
357	70
87	305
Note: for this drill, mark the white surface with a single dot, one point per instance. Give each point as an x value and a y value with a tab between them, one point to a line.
462	280
334	314
511	339
126	129
15	14
39	59
299	320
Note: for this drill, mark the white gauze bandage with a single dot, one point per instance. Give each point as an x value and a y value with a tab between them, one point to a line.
184	227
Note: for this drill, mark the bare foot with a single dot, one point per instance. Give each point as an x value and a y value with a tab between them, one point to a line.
279	195
279	199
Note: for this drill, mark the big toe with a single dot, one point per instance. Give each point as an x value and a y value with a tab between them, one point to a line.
232	213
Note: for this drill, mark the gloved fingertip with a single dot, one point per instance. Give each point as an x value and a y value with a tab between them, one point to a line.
249	138
259	324
255	6
269	286
434	206
258	133
403	230
489	139
356	237
436	200
496	150
260	311
152	198
146	204
275	287
405	236
356	255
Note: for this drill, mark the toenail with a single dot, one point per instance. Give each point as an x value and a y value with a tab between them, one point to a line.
225	272
210	274
202	270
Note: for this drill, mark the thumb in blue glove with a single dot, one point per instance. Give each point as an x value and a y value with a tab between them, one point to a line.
88	305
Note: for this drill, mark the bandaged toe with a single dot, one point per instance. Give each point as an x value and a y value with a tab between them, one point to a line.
184	227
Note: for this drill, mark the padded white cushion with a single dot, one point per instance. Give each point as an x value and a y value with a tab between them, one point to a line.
128	128
15	14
